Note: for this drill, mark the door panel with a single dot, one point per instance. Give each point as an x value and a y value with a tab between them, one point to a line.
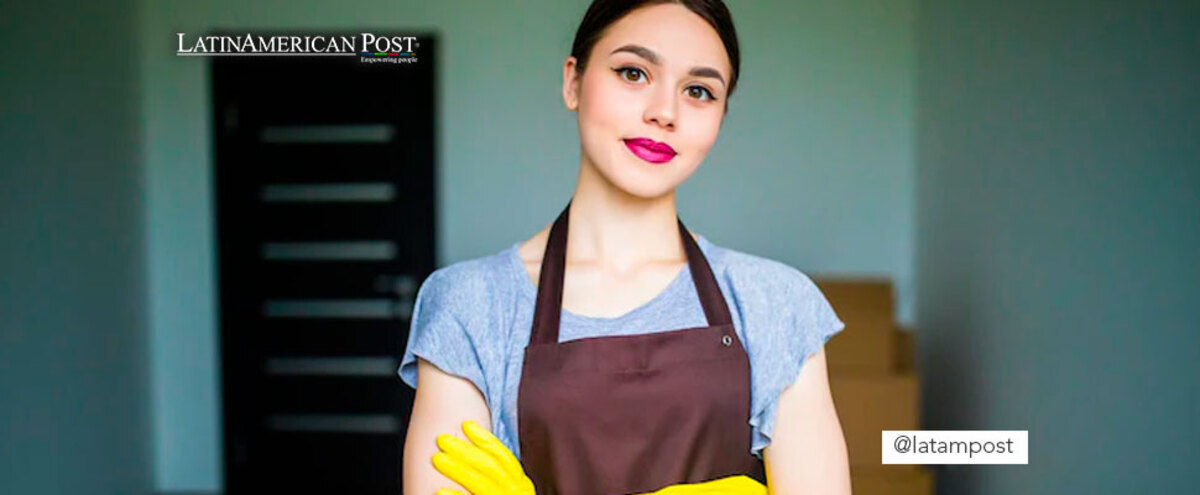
324	174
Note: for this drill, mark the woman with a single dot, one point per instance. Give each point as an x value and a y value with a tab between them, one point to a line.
615	351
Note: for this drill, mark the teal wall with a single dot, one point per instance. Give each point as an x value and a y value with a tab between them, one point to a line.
74	380
1058	230
820	141
1034	165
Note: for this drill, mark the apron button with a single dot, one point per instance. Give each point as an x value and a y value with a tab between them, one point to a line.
727	341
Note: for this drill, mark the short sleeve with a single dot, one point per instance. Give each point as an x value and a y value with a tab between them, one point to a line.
802	327
437	335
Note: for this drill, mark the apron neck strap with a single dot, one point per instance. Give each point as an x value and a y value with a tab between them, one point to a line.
548	310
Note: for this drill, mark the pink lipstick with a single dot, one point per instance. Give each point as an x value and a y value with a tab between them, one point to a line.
650	150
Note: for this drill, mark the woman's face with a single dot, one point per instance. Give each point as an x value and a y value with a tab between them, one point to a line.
651	99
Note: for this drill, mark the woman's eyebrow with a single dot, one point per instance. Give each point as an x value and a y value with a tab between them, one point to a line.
640	51
655	59
707	72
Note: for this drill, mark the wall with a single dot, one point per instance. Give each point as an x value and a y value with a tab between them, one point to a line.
74	380
1058	228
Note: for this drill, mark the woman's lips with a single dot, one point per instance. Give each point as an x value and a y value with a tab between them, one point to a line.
650	150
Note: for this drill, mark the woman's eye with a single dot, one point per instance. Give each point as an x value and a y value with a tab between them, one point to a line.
700	93
631	74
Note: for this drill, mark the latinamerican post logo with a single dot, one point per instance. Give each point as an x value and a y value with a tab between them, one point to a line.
369	47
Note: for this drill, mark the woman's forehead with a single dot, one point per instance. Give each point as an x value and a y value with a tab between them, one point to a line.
675	34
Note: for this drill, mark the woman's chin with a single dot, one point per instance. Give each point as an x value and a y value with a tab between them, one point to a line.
644	187
635	177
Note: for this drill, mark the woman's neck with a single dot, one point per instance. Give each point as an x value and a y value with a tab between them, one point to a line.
618	231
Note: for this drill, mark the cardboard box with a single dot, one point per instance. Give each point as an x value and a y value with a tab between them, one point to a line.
868	404
862	303
857	350
865	305
906	350
876	482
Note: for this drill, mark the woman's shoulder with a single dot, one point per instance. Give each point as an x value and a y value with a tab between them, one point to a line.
744	270
786	314
467	281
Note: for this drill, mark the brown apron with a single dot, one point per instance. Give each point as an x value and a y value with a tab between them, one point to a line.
633	413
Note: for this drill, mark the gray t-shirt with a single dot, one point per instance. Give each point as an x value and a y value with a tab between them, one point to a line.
473	319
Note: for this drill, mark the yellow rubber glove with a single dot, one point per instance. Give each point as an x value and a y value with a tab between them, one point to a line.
484	466
730	485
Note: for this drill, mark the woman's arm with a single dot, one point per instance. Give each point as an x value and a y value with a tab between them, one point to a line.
442	403
807	453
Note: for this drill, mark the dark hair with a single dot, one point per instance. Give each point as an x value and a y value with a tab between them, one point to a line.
603	13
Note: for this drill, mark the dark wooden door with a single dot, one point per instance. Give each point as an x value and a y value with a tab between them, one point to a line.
324	183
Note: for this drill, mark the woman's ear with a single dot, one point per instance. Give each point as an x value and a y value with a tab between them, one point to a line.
570	84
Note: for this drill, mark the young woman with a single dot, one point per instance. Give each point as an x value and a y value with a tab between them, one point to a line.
615	351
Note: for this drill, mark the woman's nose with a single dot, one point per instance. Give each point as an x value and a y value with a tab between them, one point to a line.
661	108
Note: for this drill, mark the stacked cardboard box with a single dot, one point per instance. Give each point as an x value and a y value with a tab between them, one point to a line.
875	386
